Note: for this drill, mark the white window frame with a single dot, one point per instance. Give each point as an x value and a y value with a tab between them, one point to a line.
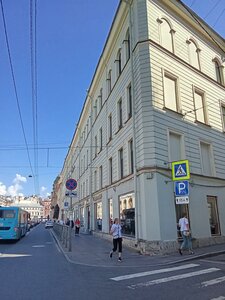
175	78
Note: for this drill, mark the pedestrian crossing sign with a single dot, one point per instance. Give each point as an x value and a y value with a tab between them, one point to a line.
180	170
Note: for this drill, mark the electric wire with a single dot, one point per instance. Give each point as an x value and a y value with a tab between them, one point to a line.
33	54
200	24
212	9
14	85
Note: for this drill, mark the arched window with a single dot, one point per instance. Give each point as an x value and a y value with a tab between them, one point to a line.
166	34
118	63
109	82
194	51
127	45
218	71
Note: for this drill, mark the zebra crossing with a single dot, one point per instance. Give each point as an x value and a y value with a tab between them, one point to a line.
190	270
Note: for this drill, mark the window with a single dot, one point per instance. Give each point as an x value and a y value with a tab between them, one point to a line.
118	63
110	212
213	215
176	147
110	127
98	212
120	114
166	32
96	145
96	109
100	139
87	160
121	163
100	177
127	45
206	159
127	214
100	100
194	53
109	82
95	180
171	92
129	102
218	71
87	189
110	171
131	157
200	107
223	116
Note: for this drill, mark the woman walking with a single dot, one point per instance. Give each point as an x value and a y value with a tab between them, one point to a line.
117	238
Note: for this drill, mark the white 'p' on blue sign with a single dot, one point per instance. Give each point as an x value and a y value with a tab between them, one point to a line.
181	188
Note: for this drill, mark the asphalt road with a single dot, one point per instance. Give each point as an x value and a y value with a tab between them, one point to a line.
35	268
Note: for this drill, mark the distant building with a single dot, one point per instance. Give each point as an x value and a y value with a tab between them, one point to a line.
31	205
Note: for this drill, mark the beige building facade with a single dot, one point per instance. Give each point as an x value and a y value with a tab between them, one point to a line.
157	96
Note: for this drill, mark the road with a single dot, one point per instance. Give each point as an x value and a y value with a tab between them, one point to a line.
35	268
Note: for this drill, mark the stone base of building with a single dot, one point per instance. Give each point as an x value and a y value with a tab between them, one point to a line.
162	247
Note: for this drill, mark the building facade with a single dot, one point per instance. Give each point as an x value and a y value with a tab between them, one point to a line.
157	96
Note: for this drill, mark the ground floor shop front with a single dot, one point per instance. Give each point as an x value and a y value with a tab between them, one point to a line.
149	215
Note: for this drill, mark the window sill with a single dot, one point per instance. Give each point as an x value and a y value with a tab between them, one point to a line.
201	123
118	129
173	111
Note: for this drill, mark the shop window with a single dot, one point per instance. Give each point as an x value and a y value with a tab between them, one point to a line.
127	214
213	215
98	214
110	213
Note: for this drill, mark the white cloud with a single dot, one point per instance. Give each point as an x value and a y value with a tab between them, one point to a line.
16	188
3	190
19	178
43	189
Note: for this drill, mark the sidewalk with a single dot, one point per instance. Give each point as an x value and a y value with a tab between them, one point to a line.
91	250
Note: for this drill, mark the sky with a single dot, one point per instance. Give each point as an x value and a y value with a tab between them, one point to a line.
70	36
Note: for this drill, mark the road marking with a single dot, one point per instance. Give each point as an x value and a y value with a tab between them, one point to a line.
213	281
219	298
159	271
38	246
172	278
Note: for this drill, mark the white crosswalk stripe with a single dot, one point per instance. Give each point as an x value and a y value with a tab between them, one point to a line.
159	271
172	278
185	275
219	298
213	281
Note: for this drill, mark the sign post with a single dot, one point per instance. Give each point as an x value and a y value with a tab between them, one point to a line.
71	184
180	172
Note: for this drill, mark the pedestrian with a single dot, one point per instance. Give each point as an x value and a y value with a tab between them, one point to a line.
68	222
117	238
186	234
77	226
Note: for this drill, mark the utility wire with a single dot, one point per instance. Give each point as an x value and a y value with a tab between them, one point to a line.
33	54
14	85
212	9
196	19
220	15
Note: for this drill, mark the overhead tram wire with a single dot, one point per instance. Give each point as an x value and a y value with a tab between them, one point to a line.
33	55
14	85
200	24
